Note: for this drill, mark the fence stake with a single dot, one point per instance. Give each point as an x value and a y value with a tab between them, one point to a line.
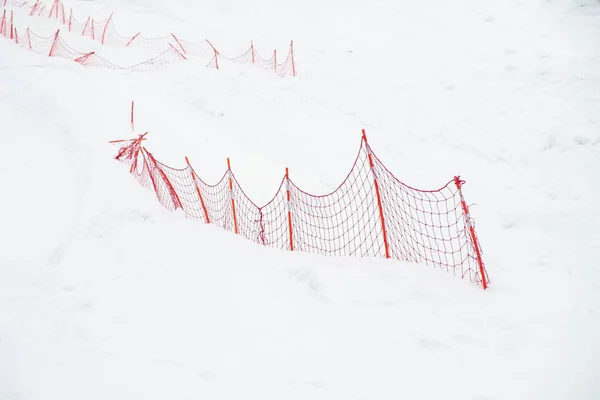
85	26
179	43
54	4
379	204
293	62
29	39
275	60
54	44
289	208
106	28
3	24
235	225
132	122
252	49
34	8
131	40
474	240
11	24
198	190
216	53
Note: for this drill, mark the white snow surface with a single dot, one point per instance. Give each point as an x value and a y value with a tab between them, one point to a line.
106	295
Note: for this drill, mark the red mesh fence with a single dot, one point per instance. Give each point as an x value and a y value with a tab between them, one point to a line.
105	32
371	214
55	46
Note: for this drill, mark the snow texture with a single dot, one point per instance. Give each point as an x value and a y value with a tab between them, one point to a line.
105	295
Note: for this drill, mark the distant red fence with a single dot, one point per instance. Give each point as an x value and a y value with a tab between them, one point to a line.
105	32
55	46
371	213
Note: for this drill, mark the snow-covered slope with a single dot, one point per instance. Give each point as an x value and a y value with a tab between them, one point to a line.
106	295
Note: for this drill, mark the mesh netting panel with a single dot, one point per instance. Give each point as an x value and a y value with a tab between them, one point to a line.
370	214
201	49
183	183
426	226
217	201
266	225
345	222
38	44
171	47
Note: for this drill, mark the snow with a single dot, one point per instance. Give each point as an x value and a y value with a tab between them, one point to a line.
104	294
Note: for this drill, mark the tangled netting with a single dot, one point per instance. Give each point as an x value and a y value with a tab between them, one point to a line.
371	213
168	48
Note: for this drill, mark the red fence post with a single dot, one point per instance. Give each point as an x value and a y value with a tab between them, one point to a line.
54	4
252	49
216	53
289	208
198	191
379	204
28	34
12	24
70	19
275	60
53	47
105	28
83	59
292	55
85	26
132	123
180	54
3	24
472	234
179	43
132	39
235	225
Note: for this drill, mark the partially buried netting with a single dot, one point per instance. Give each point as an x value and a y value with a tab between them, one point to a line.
371	213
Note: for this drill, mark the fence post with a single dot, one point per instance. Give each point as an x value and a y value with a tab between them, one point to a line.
52	48
34	8
28	34
216	53
472	234
83	59
132	122
179	43
106	28
132	39
275	60
180	54
54	4
252	49
235	225
3	24
293	62
12	24
172	192
70	19
93	32
379	204
198	191
289	208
